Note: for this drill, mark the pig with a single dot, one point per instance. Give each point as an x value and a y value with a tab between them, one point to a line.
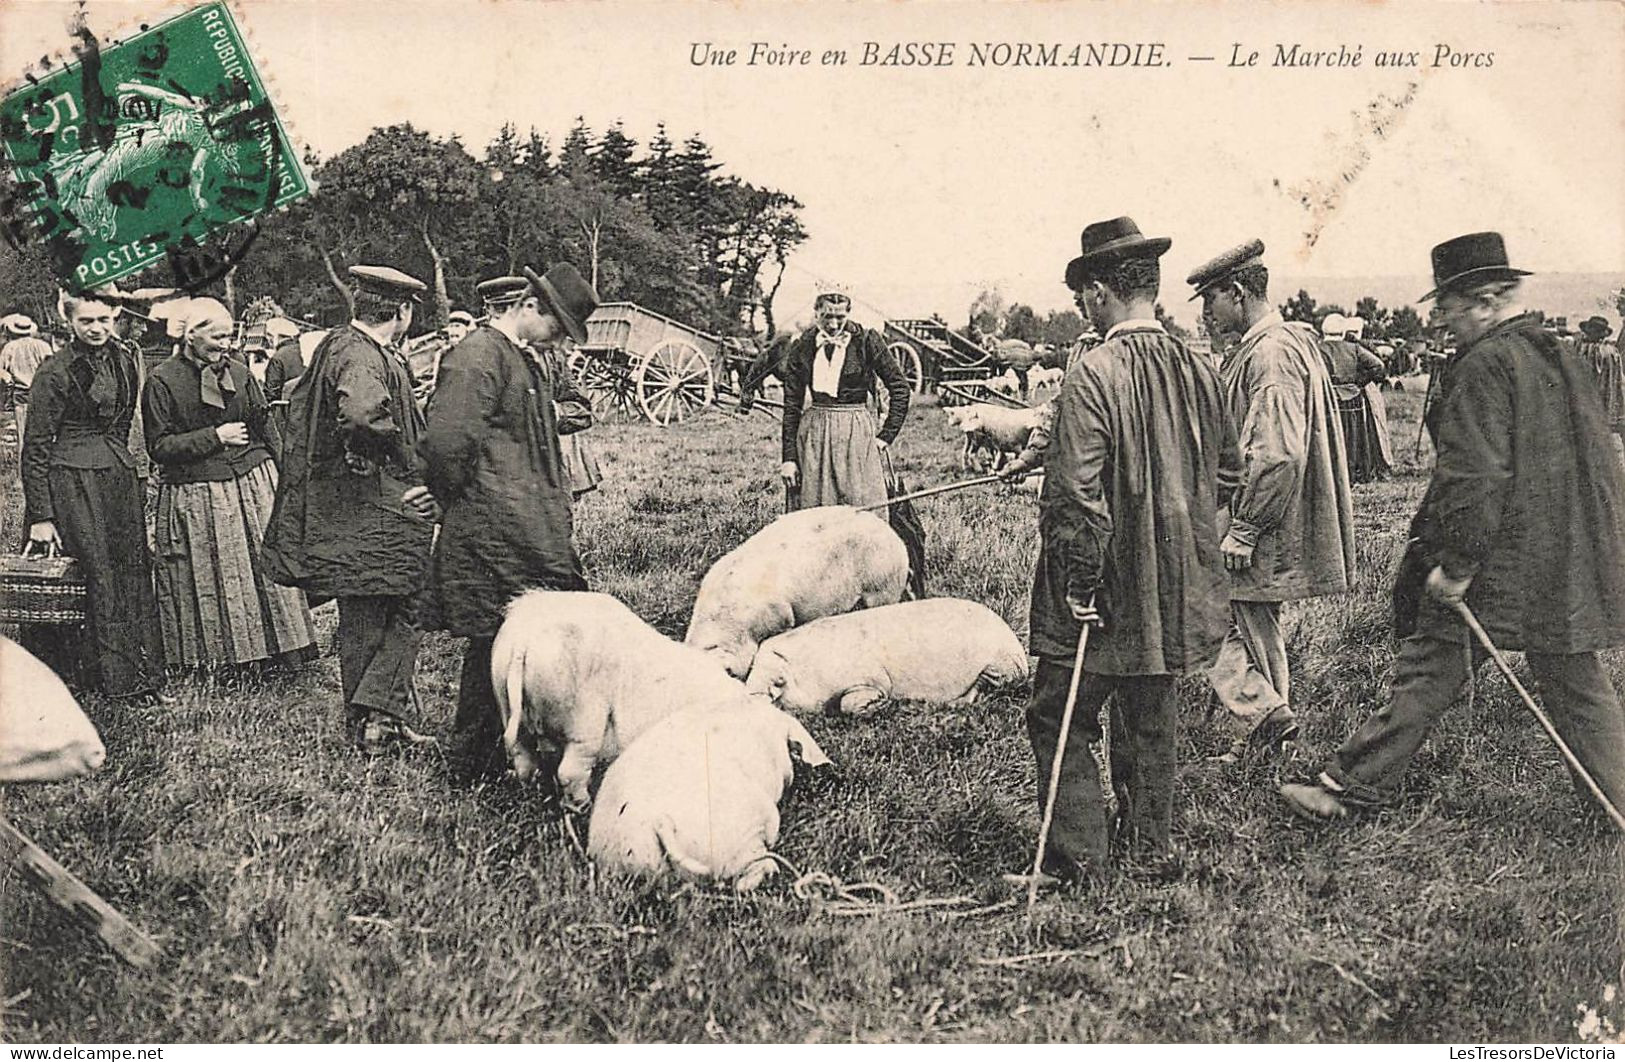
994	430
938	649
815	562
589	676
1046	377
44	735
698	792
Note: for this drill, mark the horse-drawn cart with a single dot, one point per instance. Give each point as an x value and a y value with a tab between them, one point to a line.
641	363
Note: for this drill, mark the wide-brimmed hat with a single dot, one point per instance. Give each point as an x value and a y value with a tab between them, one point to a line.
1466	261
568	296
18	324
1105	242
1596	327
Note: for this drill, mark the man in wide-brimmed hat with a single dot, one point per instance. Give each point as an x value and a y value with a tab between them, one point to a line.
351	519
1524	520
1128	540
1290	532
492	458
1604	359
20	357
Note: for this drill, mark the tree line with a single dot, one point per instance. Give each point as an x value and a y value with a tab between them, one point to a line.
659	224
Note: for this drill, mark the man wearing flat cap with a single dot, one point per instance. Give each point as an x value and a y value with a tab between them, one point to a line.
352	520
1128	540
1289	532
21	356
1523	520
492	457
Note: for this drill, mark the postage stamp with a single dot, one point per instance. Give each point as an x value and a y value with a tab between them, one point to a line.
145	148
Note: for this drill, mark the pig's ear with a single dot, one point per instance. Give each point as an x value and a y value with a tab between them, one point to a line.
802	745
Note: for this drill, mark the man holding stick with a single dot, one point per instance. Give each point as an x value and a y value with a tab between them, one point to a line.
1129	542
1524	521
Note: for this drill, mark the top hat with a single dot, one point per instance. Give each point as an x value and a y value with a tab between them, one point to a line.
1110	241
388	283
1217	270
1476	258
568	296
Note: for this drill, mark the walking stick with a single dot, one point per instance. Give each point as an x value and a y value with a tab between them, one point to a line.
1546	724
1427	403
1055	766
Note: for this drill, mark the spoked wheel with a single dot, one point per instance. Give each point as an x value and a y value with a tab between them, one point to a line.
673	382
908	359
608	386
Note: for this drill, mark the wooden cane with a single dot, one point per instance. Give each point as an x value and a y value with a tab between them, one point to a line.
74	896
1055	766
1540	716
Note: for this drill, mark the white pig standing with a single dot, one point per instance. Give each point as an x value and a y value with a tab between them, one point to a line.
815	562
587	674
44	735
940	649
699	792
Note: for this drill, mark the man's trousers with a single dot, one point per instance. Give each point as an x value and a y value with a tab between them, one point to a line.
1250	674
378	651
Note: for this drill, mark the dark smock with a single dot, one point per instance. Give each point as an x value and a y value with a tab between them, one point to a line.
1538	526
1132	485
79	473
491	457
339	528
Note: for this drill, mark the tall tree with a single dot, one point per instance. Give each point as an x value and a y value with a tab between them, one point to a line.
1300	307
576	151
612	162
1021	322
987	313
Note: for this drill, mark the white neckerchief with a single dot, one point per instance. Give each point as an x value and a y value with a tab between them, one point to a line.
1138	322
826	371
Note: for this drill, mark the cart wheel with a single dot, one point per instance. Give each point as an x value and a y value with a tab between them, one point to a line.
608	386
908	359
673	382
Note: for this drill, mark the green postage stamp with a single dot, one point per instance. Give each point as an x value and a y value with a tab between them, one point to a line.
144	148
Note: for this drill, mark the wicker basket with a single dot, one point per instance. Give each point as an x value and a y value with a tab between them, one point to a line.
41	589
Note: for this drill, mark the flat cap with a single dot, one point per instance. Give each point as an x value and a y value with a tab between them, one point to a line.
388	283
502	291
1219	269
460	317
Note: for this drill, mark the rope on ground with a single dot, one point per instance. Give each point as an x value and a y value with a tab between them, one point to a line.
842	899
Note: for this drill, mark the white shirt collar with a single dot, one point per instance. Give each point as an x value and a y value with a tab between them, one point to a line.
1269	320
1137	322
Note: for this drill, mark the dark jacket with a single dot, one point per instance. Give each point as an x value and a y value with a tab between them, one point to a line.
866	360
79	413
180	427
1527	497
1139	460
284	367
339	527
491	457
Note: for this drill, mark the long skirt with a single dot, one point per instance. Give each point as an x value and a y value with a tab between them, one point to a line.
838	458
216	604
580	463
98	513
1366	457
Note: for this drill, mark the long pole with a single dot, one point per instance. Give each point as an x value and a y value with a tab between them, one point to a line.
928	491
1540	716
1055	768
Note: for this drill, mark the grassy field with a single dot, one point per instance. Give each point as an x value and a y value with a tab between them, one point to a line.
302	892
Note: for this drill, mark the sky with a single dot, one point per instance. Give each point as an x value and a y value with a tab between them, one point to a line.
923	186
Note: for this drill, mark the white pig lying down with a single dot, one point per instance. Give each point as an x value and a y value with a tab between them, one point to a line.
814	562
585	674
44	736
939	649
698	792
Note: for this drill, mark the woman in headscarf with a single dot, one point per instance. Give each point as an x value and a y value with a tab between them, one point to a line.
210	433
83	498
831	456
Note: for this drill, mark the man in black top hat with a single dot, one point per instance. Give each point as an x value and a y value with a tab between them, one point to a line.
352	520
1128	538
491	456
1524	520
